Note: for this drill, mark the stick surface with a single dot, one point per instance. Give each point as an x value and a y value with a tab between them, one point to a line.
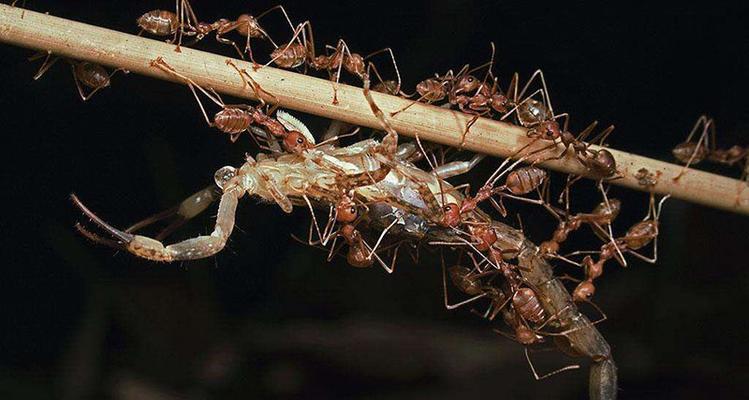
314	96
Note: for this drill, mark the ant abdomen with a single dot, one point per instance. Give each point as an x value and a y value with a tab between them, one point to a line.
532	112
526	303
524	180
640	234
92	75
232	120
159	22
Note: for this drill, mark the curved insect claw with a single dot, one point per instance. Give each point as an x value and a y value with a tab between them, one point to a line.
96	238
123	238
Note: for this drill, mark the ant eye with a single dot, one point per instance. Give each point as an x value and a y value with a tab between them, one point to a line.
300	140
353	210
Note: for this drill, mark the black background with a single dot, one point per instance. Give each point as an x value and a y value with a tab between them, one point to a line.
269	317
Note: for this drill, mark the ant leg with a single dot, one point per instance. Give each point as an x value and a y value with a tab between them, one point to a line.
444	292
162	65
601	137
183	212
226	29
249	81
323	241
394	113
46	65
390	142
470	124
81	92
190	249
538	378
379	240
299	30
706	124
547	97
395	66
517	105
341	50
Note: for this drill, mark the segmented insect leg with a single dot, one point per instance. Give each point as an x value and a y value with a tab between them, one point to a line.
707	124
390	141
444	292
260	93
46	65
535	374
183	212
190	249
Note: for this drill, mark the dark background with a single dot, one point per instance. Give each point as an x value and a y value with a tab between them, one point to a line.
268	317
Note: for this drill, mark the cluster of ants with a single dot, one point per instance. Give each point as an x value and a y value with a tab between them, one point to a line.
490	276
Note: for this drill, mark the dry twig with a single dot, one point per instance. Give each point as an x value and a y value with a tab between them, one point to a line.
312	95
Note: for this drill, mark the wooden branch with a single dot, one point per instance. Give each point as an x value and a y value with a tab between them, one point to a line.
312	95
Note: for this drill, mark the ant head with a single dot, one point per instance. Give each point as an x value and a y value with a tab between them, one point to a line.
526	336
467	83
295	142
584	291
451	215
550	130
248	26
346	211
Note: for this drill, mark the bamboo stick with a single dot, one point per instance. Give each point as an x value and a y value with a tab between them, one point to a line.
314	96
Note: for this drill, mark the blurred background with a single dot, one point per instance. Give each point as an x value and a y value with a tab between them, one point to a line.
269	317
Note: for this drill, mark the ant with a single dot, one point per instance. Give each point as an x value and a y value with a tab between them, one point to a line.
246	25
235	119
638	236
689	152
453	86
301	52
90	75
525	307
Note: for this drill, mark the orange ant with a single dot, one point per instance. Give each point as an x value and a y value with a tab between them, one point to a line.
90	75
246	25
453	86
301	52
234	119
689	152
525	306
637	237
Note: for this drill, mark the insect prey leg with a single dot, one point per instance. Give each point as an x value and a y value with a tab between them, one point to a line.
190	249
183	212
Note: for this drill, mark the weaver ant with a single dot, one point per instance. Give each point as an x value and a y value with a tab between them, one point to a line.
234	119
689	152
90	75
637	236
301	52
